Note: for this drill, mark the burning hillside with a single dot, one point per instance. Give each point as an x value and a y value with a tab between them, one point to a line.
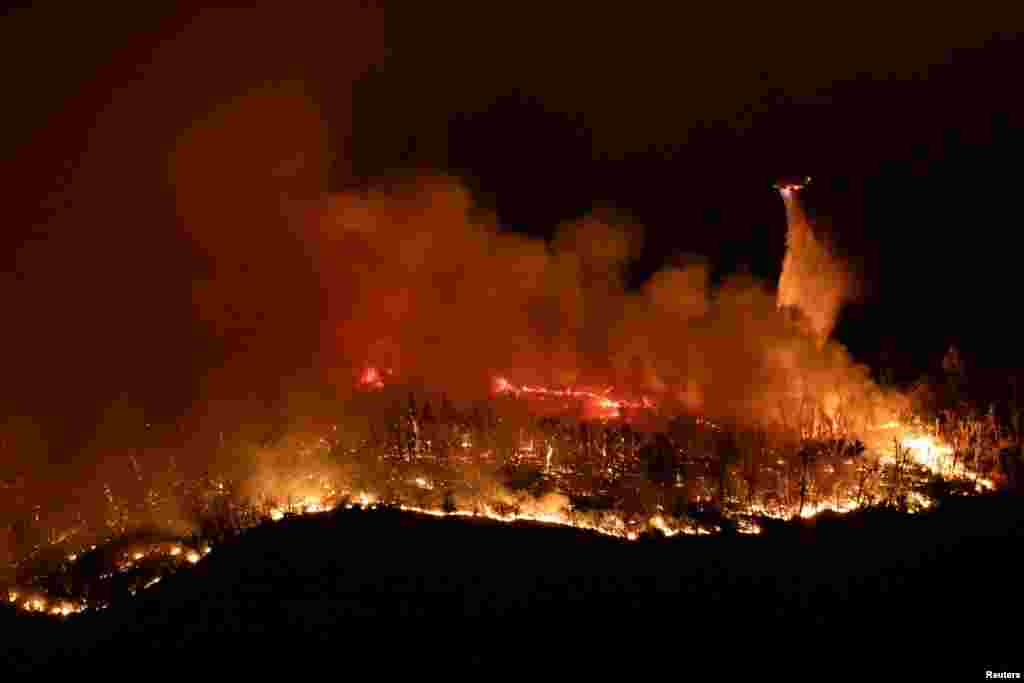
601	477
601	405
736	416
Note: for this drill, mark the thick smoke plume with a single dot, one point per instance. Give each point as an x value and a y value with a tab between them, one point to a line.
420	282
308	288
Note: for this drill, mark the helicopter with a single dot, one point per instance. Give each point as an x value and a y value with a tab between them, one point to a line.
793	183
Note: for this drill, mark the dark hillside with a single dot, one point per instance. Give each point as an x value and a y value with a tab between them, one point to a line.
299	578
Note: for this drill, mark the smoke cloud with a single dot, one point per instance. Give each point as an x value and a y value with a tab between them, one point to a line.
419	281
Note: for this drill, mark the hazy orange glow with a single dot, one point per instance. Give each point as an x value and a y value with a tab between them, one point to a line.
926	450
728	354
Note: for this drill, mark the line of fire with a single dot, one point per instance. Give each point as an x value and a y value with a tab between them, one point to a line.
596	458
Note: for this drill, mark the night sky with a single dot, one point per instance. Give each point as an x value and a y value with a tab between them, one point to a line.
908	121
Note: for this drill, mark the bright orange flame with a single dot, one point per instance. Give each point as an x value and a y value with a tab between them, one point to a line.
371	378
927	450
604	402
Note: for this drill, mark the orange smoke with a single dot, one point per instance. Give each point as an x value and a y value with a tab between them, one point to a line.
417	279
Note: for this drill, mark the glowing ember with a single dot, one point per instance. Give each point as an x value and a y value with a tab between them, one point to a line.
192	556
311	504
371	378
747	526
608	405
659	523
811	510
175	551
488	513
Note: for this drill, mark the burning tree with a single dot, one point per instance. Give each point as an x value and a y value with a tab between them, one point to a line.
659	466
897	485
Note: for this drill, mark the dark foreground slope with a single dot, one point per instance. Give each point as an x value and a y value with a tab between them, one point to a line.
296	580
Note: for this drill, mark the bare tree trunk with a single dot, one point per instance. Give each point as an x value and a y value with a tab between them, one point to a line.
803	480
902	457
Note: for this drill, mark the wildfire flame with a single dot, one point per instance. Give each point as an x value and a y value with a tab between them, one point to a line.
607	404
813	282
371	378
926	451
929	452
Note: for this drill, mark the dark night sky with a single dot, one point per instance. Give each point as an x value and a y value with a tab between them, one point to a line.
909	122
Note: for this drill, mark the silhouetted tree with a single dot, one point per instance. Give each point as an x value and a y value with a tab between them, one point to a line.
412	426
20	532
886	375
429	429
956	380
683	431
728	453
806	455
658	465
448	428
1010	462
679	508
754	448
897	494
